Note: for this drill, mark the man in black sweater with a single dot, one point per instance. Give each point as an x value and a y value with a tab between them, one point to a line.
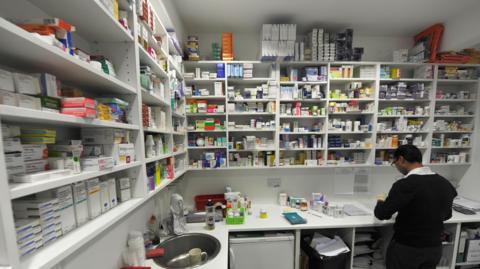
423	200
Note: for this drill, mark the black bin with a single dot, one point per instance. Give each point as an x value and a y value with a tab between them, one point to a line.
317	261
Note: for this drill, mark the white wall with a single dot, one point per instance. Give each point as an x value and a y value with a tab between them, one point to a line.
462	31
296	182
247	45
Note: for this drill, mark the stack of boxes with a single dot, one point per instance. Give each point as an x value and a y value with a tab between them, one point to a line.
153	115
13	151
38	223
247	70
227	46
278	42
106	147
192	48
216	52
80	107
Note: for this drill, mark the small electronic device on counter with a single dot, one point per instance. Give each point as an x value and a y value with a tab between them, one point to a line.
294	218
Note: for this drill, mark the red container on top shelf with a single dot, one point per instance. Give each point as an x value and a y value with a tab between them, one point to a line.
201	200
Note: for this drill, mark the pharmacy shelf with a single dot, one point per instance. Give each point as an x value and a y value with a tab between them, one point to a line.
303	82
302	117
207	97
207	169
453	147
179	133
158	158
316	100
450	164
452	132
22	50
249	81
406	80
165	182
24	189
204	80
146	59
153	99
177	153
26	115
350	113
453	116
352	79
178	115
454	100
204	114
178	69
252	101
457	81
402	132
466	263
251	130
251	150
404	100
394	148
301	133
351	99
208	147
156	131
104	28
251	113
300	149
343	132
348	149
48	256
203	131
403	116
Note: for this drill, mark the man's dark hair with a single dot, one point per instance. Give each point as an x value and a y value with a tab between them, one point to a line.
409	152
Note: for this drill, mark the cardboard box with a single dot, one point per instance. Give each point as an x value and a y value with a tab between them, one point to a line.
112	192
30	102
66	208
121	153
14	159
8	98
32	152
6	81
93	198
49	85
36	166
12	145
80	203
104	196
26	84
50	103
105	136
472	250
97	163
10	131
123	189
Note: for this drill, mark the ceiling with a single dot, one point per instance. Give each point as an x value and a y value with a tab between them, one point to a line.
366	17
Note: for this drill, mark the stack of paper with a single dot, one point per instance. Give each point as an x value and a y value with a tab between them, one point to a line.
328	247
467	203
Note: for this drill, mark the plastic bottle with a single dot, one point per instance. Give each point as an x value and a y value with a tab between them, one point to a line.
210	215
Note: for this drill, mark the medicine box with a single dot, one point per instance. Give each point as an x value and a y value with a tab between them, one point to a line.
26	84
121	153
81	112
8	98
66	208
93	198
123	189
33	152
97	136
29	102
14	159
112	192
10	131
36	166
78	102
6	81
472	250
97	163
39	176
12	145
104	196
49	85
80	203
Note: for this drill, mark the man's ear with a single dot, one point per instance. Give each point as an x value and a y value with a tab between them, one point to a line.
400	159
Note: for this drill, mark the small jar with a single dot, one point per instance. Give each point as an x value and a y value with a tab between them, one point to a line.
304	205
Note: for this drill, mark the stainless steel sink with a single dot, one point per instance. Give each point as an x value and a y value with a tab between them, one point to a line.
176	250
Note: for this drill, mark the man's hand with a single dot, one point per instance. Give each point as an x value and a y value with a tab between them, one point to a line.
381	197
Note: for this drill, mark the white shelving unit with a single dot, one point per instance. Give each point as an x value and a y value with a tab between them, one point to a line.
428	132
22	51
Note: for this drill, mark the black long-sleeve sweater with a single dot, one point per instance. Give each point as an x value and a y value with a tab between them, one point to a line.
423	203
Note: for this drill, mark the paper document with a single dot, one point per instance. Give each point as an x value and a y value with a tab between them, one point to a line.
467	203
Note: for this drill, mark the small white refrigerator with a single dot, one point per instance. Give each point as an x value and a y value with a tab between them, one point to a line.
270	250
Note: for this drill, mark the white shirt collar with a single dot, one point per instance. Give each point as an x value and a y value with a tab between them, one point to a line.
420	171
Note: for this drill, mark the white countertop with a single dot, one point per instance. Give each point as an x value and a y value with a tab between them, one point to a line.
276	221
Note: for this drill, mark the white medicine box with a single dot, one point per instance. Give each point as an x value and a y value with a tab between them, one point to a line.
80	201
472	250
93	198
66	208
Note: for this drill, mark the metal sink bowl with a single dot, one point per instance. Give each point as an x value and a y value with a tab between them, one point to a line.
176	250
